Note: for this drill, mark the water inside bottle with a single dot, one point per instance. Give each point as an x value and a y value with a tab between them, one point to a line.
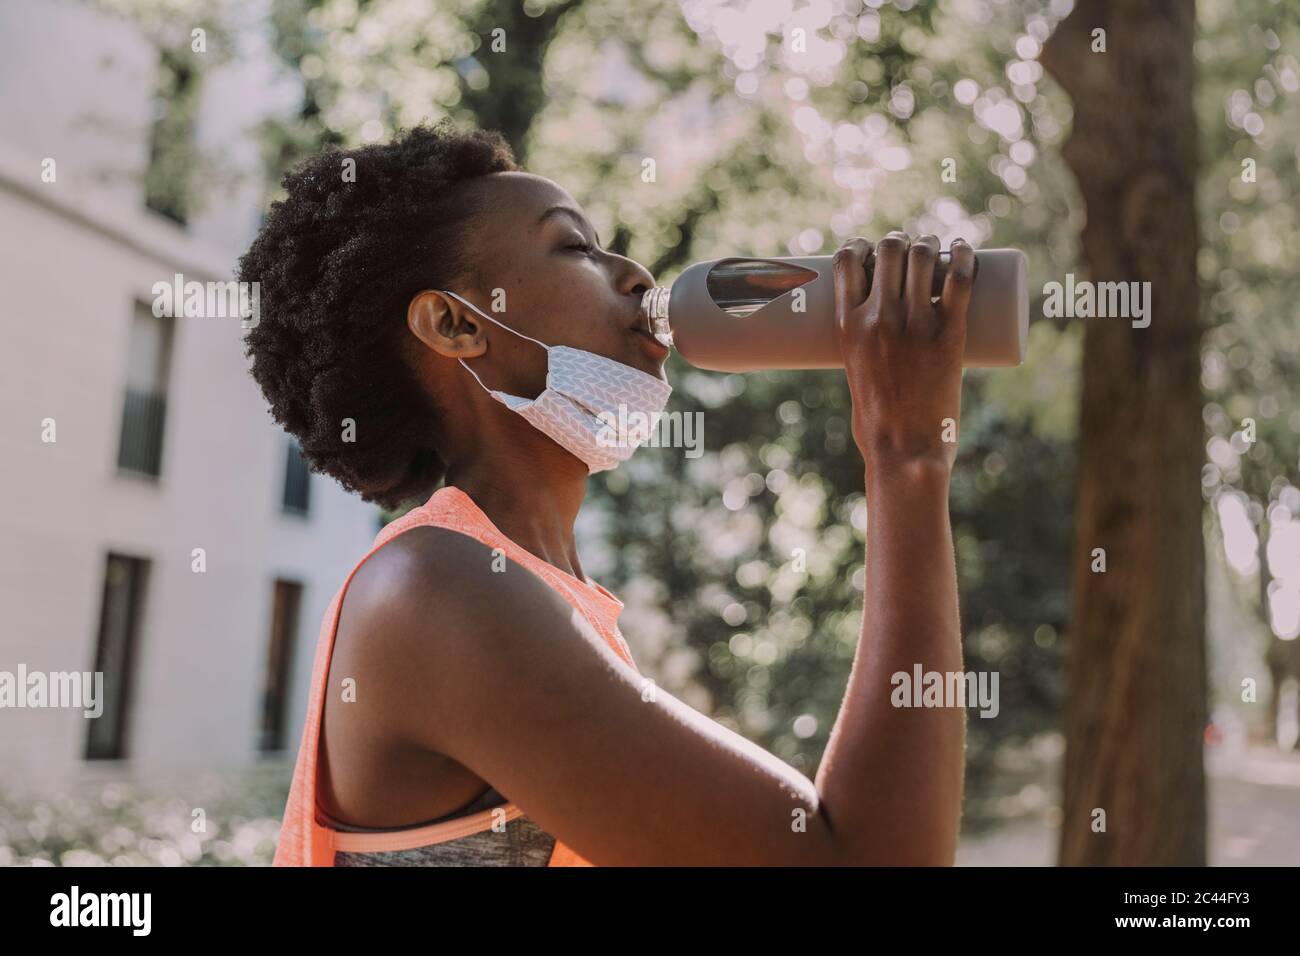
741	287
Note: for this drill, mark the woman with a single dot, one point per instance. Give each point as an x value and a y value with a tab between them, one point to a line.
473	701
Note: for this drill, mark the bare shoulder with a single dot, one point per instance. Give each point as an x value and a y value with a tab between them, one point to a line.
434	611
432	574
399	576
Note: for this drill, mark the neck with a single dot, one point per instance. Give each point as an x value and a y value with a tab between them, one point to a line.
534	508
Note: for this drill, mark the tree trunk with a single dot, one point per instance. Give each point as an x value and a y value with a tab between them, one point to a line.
1136	701
515	93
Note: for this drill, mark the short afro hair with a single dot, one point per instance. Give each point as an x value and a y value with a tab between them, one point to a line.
338	261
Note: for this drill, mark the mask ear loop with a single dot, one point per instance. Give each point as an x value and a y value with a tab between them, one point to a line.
504	326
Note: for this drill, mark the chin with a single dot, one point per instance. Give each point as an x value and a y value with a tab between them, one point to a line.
649	365
648	355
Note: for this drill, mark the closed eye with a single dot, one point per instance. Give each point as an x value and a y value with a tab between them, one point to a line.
584	247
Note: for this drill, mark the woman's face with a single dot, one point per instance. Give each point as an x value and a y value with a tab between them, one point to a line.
539	258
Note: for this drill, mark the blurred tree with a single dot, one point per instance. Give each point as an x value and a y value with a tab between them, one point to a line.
770	142
514	40
1250	366
1136	704
782	133
371	66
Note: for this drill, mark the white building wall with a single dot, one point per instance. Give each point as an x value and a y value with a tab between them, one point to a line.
74	257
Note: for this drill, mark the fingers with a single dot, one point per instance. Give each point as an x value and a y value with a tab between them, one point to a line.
850	265
887	280
955	298
921	257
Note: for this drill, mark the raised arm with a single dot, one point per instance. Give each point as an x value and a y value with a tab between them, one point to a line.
903	361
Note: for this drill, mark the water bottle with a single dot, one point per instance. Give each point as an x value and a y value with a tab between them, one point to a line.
746	314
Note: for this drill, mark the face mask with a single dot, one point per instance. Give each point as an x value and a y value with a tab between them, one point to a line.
597	409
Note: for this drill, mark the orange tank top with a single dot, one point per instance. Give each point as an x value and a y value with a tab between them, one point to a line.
305	838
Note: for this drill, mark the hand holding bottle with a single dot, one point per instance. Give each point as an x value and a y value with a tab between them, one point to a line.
902	352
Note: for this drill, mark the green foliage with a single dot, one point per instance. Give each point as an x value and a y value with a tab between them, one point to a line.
169	187
781	475
761	149
747	157
1250	193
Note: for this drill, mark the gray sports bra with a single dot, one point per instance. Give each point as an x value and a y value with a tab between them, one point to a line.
521	843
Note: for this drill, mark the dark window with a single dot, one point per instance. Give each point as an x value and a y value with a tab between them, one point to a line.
173	154
279	660
140	448
119	627
144	408
297	481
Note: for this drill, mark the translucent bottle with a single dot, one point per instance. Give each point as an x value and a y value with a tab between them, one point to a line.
745	314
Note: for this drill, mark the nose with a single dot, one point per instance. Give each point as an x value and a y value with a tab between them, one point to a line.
632	277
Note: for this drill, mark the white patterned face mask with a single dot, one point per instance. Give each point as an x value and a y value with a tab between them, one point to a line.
597	409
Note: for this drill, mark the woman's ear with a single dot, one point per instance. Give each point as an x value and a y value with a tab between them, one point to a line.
445	325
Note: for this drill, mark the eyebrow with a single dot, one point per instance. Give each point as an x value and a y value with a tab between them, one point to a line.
556	211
